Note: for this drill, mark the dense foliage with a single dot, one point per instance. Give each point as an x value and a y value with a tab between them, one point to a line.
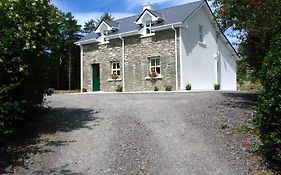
65	69
269	109
92	24
255	23
26	29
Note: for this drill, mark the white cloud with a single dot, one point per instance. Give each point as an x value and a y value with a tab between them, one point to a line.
87	16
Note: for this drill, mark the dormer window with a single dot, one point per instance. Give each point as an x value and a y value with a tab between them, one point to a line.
104	29
148	28
147	19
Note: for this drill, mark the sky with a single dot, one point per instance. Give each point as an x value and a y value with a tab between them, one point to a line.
85	10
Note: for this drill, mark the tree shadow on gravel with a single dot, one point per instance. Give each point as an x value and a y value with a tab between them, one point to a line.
241	100
58	170
15	151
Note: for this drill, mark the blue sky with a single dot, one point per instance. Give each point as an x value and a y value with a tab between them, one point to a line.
84	10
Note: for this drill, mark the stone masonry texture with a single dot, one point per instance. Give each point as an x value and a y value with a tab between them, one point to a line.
138	52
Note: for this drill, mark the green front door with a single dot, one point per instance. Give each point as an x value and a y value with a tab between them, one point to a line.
96	77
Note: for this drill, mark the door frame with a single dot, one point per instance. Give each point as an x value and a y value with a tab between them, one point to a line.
92	68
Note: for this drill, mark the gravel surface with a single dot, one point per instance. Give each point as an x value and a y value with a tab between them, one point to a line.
157	133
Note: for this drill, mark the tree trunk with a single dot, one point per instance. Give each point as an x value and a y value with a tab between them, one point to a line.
69	68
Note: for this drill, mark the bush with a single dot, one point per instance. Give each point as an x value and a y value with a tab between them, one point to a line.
84	90
24	68
49	91
168	87
217	86
188	87
156	88
119	88
268	117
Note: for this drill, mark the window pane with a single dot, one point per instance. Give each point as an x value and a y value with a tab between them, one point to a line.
114	65
152	62
158	70
114	72
152	69
118	72
157	62
118	65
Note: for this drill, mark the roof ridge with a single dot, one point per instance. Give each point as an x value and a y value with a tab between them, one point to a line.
180	5
161	9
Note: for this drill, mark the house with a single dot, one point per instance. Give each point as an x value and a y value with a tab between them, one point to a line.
174	46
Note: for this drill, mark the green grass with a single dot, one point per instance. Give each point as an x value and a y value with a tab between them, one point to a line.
66	91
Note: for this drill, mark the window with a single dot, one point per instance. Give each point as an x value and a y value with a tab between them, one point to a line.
201	36
148	27
155	67
115	70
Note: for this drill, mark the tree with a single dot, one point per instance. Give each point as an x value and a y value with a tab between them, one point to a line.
65	70
269	108
70	32
27	28
105	16
89	26
92	24
259	26
256	23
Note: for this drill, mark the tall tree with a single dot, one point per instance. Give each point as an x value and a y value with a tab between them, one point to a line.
65	70
71	34
256	22
27	28
105	16
89	26
92	24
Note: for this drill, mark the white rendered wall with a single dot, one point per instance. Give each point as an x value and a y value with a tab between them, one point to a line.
228	78
198	60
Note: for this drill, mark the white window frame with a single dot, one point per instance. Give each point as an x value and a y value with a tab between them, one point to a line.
116	69
155	65
201	34
147	26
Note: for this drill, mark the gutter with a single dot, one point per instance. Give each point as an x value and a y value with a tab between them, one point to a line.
81	69
123	62
131	33
176	55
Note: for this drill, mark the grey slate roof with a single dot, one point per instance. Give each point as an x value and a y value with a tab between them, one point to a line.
155	13
110	23
171	15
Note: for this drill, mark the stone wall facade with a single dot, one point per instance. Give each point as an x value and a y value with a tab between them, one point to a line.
138	52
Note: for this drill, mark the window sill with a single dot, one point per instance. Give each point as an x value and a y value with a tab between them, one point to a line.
148	35
202	44
103	43
114	80
155	78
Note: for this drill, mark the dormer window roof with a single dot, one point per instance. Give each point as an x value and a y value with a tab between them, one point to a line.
149	15
106	25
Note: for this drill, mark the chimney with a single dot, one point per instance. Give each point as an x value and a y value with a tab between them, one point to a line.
148	6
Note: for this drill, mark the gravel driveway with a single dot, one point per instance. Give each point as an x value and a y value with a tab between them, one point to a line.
161	133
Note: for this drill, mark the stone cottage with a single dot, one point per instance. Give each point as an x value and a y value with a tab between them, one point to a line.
175	46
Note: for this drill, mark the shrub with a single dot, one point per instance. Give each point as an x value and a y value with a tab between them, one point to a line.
24	68
156	88
119	88
84	90
268	117
188	87
49	91
217	86
168	87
